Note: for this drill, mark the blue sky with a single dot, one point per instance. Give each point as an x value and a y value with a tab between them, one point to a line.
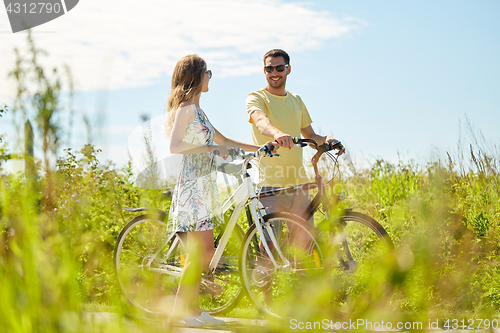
384	77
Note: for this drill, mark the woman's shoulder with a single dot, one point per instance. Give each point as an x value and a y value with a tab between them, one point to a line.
187	109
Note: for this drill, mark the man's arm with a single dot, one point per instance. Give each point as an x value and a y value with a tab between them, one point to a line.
265	127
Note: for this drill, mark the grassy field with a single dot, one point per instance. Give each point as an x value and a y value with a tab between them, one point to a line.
58	232
58	226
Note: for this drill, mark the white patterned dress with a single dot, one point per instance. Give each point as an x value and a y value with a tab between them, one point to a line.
195	201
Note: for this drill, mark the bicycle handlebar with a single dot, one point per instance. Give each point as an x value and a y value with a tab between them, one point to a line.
266	150
313	144
231	152
304	142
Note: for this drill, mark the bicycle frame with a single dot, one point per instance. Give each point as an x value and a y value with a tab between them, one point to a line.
244	195
240	198
246	192
319	199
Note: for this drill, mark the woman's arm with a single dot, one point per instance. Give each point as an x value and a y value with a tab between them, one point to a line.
183	117
230	143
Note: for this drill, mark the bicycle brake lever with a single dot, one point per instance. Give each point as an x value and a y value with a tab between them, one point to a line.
337	145
234	152
266	151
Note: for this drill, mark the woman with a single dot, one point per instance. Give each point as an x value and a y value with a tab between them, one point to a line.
195	202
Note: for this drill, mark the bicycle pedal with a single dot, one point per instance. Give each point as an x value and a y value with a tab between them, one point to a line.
210	288
223	266
350	267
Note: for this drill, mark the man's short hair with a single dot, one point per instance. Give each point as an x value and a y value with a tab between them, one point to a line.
277	53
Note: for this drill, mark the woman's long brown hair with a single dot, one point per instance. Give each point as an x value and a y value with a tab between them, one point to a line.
187	82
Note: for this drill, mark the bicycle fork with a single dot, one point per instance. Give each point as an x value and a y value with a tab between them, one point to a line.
344	255
259	224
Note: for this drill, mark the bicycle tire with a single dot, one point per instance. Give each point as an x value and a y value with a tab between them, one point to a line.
227	274
149	291
153	292
274	290
364	252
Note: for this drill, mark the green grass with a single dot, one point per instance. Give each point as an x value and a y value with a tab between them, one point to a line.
99	307
56	247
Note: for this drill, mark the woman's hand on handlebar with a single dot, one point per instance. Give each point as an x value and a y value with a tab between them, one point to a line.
220	150
269	149
272	144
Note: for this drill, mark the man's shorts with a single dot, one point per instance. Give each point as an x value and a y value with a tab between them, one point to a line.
295	203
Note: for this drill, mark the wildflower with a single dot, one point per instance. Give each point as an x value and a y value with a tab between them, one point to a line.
55	210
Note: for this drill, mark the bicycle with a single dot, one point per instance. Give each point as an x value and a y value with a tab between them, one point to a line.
357	240
148	266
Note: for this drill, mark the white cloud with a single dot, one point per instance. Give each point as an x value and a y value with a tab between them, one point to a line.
116	44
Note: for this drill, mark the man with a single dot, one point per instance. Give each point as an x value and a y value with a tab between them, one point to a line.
277	113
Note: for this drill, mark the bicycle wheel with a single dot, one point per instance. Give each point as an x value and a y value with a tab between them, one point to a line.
226	275
275	289
364	250
148	266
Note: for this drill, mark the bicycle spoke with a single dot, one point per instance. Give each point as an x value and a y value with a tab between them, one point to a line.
226	275
146	284
270	287
133	252
364	249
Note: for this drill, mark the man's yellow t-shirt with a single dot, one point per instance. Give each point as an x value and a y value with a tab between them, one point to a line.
289	114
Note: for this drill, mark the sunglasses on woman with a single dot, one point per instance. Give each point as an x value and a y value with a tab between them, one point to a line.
279	68
209	73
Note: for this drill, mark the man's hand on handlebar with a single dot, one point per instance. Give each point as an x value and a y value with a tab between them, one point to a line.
284	140
332	143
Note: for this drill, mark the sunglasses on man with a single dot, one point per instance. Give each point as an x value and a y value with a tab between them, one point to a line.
279	68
